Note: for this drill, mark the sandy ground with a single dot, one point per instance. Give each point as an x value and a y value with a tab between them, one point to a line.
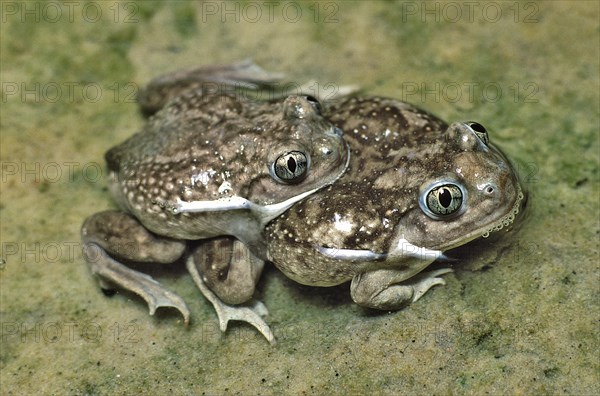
519	316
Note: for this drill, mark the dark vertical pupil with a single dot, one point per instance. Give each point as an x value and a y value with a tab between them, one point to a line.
291	163
445	197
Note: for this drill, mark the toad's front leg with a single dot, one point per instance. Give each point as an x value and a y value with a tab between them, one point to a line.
111	236
392	289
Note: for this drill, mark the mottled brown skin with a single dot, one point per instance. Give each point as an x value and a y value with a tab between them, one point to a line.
393	145
376	132
216	146
214	152
369	226
397	151
372	226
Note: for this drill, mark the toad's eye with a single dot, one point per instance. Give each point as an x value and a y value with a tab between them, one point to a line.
442	200
480	131
290	167
314	102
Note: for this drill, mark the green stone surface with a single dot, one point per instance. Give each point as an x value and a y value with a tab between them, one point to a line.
519	316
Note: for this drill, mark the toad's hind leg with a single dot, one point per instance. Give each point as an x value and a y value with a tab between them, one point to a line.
245	74
232	277
228	268
112	235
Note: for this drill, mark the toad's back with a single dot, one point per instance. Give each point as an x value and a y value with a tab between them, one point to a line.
216	147
413	183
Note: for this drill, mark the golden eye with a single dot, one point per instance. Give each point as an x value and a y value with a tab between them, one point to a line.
290	167
444	200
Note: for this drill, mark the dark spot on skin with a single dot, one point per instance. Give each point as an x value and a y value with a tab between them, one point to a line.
223	274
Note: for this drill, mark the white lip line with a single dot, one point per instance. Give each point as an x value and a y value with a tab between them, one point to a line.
404	249
265	212
369	255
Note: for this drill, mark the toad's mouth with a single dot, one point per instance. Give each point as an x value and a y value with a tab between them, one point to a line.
509	218
405	249
504	222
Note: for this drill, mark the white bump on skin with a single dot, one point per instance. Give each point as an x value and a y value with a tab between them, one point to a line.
386	223
202	177
340	224
224	187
